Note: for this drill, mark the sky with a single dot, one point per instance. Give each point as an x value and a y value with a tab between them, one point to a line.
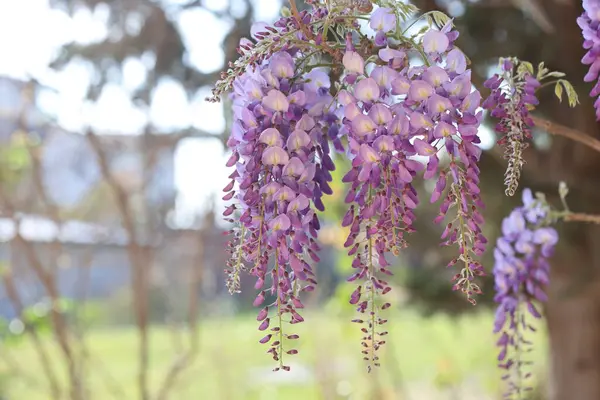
38	31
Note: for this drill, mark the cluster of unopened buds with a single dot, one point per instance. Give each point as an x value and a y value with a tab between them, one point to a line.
400	106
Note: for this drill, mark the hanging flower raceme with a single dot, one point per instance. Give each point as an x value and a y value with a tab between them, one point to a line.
381	196
280	150
512	97
393	115
449	119
589	22
521	273
312	84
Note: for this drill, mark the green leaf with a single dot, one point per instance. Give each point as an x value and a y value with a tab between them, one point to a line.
542	71
340	30
571	93
528	66
285	12
558	91
555	74
440	18
404	11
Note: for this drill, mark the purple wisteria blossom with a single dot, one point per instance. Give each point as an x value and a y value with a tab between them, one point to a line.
383	20
589	22
511	98
521	273
391	115
280	150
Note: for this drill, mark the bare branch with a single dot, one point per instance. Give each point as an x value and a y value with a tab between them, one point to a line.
15	298
49	283
560	130
185	360
580	217
137	258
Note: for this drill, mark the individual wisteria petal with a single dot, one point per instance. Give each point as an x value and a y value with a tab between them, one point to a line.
367	90
275	155
363	125
316	79
436	76
295	167
438	104
282	65
271	137
300	203
383	19
345	98
443	130
420	91
280	223
380	114
258	27
368	154
456	61
383	75
276	101
390	55
423	148
353	62
400	86
521	274
435	42
298	139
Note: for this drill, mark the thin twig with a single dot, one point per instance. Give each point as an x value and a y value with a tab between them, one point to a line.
48	281
13	294
580	217
560	130
186	359
137	259
309	34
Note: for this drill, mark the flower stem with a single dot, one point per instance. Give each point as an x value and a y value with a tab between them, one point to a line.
279	309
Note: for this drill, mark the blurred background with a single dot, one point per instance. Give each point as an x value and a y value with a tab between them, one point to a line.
111	244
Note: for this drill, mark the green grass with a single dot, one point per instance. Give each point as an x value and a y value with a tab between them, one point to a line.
421	353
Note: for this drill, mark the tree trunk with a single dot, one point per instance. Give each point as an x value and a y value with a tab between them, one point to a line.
574	326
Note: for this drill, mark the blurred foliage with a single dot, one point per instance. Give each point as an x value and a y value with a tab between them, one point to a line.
14	158
421	351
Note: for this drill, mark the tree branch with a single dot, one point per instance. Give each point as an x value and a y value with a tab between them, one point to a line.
580	217
137	259
185	360
17	303
560	130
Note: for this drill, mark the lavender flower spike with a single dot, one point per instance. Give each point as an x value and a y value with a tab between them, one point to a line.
589	22
521	273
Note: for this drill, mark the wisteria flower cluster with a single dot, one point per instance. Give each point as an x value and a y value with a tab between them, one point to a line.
280	150
400	106
391	116
521	273
589	22
513	95
392	113
512	98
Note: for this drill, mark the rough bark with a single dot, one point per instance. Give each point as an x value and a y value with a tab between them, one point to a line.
574	325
